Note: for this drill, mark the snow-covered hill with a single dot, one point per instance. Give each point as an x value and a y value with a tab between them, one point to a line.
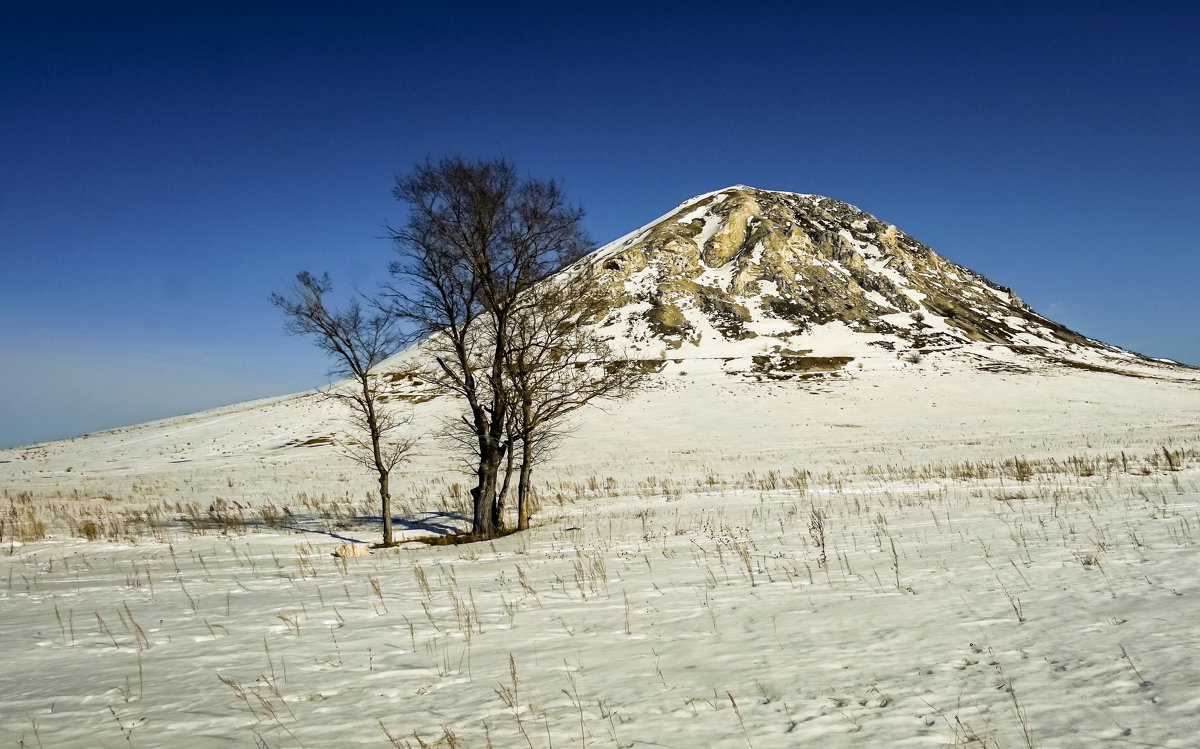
774	321
868	499
743	271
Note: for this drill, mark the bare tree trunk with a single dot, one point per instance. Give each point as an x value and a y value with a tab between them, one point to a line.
385	499
491	446
498	509
483	496
377	454
524	484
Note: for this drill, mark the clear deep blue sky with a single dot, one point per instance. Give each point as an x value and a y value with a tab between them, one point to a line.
164	166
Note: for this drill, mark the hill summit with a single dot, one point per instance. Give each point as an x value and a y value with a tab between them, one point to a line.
743	271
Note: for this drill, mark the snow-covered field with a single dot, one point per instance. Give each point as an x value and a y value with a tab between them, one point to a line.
906	554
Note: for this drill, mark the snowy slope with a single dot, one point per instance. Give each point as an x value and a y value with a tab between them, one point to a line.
771	319
852	530
673	573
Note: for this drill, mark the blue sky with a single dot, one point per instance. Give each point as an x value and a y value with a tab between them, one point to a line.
165	166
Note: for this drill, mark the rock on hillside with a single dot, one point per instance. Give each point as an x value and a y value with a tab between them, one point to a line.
743	271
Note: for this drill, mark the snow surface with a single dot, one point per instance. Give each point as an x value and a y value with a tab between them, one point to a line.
672	592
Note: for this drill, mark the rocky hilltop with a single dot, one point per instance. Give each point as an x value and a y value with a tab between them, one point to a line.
745	271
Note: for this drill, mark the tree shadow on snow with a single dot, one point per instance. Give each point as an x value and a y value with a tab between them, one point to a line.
441	523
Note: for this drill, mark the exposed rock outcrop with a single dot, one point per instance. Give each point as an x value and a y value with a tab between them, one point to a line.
742	262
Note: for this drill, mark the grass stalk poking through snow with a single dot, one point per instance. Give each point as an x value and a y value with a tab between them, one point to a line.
509	696
741	723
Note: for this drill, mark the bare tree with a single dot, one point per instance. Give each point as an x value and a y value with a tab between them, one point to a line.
356	342
477	237
556	364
